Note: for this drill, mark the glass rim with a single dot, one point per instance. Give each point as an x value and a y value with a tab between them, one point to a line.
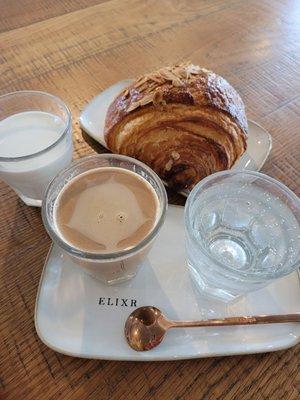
189	229
52	145
113	255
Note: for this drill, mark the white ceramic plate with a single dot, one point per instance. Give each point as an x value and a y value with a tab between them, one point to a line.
92	121
77	315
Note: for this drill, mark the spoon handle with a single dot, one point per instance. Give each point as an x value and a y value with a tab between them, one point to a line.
251	320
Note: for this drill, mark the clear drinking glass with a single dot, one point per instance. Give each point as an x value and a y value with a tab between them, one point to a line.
242	232
35	142
113	267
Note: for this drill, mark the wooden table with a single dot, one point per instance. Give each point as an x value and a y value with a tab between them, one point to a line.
75	49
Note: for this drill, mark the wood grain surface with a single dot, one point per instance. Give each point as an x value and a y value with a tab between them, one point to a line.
75	49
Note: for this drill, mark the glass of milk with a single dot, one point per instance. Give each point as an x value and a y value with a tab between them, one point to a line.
35	142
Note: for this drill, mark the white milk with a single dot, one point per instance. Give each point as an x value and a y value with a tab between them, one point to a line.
28	133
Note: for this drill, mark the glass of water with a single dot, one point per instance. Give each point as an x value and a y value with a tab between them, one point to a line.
242	232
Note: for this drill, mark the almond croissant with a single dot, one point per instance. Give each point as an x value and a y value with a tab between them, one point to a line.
184	121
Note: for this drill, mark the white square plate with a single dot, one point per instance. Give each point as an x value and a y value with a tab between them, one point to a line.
79	316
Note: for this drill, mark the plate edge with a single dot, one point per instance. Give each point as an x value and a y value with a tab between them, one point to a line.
270	140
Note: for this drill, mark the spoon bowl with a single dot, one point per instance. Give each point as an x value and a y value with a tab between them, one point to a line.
144	328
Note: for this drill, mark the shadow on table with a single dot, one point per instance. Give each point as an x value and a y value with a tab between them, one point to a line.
97	147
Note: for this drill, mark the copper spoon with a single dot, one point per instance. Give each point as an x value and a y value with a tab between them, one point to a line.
146	327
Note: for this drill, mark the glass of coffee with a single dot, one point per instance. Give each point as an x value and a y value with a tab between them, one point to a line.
105	211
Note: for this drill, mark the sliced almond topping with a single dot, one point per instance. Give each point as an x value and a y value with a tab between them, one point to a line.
149	85
156	79
143	101
148	98
126	92
169	165
175	155
193	69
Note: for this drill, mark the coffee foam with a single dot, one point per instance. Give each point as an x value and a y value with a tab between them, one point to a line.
106	210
